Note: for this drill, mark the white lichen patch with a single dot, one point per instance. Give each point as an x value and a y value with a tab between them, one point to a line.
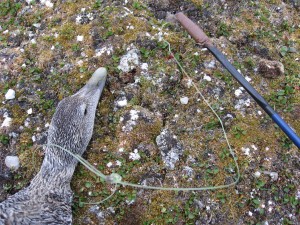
257	174
134	155
144	66
184	100
132	122
104	50
206	77
238	91
33	41
122	102
210	65
47	3
246	151
242	104
129	61
170	148
118	163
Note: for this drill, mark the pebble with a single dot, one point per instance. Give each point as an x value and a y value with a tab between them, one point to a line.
184	100
29	111
12	162
79	38
7	122
10	94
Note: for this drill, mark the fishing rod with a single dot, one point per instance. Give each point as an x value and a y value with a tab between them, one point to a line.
200	37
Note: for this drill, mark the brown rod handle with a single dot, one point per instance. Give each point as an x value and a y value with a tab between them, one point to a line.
194	30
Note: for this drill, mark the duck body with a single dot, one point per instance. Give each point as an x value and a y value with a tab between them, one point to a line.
48	198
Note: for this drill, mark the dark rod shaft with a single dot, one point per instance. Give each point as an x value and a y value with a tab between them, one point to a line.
200	37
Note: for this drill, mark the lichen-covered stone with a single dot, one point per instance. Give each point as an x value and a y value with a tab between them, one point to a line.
170	148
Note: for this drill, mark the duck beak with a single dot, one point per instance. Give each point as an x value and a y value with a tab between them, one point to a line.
98	78
95	83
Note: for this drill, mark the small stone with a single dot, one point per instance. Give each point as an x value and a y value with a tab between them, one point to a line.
270	69
184	100
12	162
10	94
79	38
29	111
7	122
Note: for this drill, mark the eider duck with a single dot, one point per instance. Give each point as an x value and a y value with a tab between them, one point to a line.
48	198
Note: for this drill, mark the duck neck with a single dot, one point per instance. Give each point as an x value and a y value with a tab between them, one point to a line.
57	169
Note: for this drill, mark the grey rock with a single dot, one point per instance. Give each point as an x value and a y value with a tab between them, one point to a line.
170	148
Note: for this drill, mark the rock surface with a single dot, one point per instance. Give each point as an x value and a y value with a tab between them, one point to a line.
170	148
270	69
